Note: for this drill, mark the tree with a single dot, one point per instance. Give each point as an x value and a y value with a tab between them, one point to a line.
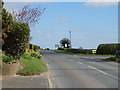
65	42
28	15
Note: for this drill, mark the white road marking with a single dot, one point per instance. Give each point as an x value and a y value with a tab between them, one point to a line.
103	72
71	60
80	63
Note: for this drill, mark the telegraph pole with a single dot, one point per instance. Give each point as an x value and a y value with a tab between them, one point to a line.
70	40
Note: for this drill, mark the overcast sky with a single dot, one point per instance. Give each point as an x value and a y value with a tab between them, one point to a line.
91	23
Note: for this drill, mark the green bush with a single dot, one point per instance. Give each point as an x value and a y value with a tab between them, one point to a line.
17	39
7	59
27	56
108	49
34	55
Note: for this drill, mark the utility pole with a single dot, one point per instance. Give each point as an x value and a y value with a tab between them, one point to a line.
70	40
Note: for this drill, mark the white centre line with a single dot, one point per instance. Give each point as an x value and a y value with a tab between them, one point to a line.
103	72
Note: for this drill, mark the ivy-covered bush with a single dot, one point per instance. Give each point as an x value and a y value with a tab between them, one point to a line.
108	48
17	39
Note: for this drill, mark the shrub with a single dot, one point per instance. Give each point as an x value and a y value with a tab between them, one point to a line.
108	48
34	55
7	59
17	39
27	56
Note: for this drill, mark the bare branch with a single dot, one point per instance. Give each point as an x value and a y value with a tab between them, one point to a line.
29	15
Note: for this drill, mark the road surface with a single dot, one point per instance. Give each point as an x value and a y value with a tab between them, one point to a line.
80	71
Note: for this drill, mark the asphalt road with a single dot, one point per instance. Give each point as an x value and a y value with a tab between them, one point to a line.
73	71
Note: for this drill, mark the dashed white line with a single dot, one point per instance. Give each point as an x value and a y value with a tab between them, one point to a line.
103	72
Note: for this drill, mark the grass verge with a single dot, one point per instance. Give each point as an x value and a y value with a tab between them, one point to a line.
61	51
32	66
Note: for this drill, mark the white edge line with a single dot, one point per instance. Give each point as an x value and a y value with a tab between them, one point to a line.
103	72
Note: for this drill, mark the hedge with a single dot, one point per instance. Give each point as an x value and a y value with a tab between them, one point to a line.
35	47
73	50
108	48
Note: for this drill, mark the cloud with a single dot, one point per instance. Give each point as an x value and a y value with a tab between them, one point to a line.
101	3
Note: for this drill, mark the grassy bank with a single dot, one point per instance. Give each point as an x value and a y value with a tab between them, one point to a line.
32	65
61	51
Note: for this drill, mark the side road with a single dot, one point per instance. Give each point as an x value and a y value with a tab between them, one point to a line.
38	81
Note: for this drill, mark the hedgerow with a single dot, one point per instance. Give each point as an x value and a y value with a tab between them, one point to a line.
108	48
